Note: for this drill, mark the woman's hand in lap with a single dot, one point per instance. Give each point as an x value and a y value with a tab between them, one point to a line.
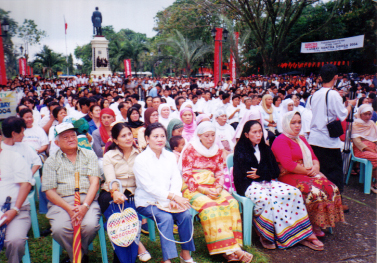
119	197
313	171
182	202
253	174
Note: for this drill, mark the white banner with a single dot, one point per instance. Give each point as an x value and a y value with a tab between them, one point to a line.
8	104
333	45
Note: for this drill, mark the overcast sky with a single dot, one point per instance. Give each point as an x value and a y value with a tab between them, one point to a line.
137	15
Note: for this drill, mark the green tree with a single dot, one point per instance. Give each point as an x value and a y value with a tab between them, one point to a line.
10	54
48	62
186	53
30	34
84	53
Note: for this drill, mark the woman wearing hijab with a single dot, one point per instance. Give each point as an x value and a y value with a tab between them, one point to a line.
300	168
286	105
201	118
133	117
251	115
164	114
280	216
269	115
103	134
364	138
150	116
175	128
202	172
224	132
188	119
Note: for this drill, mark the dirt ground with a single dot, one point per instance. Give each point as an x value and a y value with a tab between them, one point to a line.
352	241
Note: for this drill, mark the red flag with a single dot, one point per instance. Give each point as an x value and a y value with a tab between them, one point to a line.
31	71
65	26
233	61
22	66
77	228
3	74
218	56
127	67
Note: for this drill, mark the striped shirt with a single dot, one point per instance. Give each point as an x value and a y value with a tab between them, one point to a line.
59	172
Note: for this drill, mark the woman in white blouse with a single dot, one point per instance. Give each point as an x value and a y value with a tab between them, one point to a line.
158	180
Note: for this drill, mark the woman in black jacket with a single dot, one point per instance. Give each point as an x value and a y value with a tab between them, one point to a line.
280	215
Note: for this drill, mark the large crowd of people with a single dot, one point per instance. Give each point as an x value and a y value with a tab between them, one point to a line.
165	141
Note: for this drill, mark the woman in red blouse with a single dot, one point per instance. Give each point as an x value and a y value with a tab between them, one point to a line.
299	167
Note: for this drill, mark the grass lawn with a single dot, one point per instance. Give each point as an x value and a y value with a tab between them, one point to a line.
41	248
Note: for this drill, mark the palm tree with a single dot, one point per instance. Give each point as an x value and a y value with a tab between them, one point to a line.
186	53
137	46
118	51
49	61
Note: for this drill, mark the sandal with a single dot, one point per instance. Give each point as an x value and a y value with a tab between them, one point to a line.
181	260
309	243
144	257
266	244
319	233
231	258
246	257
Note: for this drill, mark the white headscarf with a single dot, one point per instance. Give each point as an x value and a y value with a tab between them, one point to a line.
185	104
197	144
283	111
163	121
366	130
286	125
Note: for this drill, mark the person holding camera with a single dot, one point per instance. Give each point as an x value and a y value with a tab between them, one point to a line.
328	111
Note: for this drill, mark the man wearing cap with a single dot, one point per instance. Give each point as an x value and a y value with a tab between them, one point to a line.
59	185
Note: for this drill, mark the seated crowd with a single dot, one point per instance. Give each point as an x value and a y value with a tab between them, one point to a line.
166	154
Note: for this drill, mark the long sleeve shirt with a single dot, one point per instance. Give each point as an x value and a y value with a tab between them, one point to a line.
156	178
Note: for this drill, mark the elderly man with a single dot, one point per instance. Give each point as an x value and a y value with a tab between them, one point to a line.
59	185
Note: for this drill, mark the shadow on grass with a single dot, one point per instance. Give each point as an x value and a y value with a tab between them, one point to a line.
41	248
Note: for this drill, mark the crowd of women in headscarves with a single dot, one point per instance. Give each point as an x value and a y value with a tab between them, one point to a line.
172	158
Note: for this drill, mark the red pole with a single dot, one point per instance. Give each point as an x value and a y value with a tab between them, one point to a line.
3	73
218	56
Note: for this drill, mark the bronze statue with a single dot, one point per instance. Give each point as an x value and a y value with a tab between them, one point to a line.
97	20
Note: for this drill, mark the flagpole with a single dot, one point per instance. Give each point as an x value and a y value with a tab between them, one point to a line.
66	50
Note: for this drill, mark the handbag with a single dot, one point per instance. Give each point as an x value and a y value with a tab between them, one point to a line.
123	227
335	127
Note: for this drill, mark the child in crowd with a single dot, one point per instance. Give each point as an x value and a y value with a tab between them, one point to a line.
177	143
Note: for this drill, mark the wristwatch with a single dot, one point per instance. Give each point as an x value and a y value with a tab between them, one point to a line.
16	209
86	205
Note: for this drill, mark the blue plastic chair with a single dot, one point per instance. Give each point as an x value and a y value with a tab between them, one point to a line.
37	178
33	214
57	249
366	169
246	208
26	257
151	229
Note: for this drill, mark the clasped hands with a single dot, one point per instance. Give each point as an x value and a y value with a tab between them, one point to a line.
211	193
179	202
252	174
77	213
312	171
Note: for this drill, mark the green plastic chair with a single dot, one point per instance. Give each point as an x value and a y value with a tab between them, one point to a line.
246	208
366	169
57	249
26	257
151	229
33	213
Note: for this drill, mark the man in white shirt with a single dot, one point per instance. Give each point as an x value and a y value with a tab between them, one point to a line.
327	149
233	112
123	109
296	104
114	106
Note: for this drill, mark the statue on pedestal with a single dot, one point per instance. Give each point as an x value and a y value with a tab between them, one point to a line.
97	20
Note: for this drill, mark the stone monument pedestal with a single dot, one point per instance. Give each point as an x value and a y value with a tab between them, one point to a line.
100	57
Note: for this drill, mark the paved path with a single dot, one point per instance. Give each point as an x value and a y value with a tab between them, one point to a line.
352	241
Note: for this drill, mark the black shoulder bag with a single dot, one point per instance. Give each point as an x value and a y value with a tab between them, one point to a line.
334	127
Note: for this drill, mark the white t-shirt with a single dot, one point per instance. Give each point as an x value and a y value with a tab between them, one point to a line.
13	171
25	151
229	111
37	117
319	134
35	137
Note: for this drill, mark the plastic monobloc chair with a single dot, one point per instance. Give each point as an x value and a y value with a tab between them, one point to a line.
246	208
57	249
366	169
33	214
26	257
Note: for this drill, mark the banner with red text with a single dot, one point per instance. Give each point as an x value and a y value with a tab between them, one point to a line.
8	104
218	56
333	45
127	67
22	66
3	74
232	60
